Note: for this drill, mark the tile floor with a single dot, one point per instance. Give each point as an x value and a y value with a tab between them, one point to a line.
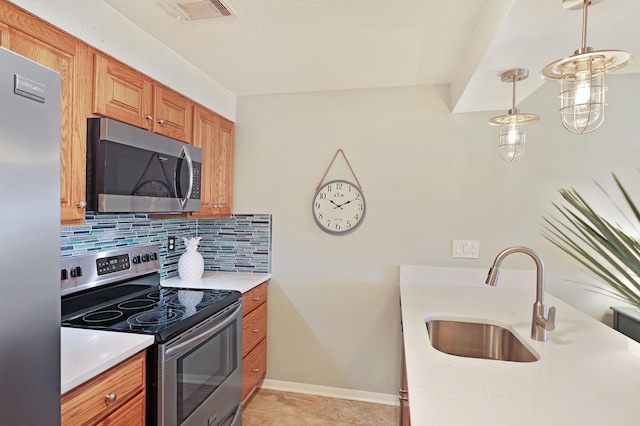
277	408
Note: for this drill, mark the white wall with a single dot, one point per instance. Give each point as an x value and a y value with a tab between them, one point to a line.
101	26
429	177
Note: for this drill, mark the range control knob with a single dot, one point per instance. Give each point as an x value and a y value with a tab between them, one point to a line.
64	274
154	256
76	271
145	257
135	259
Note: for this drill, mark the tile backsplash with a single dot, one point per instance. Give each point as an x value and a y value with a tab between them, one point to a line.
241	243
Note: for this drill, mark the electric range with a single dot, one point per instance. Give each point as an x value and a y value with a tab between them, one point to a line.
194	372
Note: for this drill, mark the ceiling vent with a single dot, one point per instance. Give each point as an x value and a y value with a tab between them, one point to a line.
198	9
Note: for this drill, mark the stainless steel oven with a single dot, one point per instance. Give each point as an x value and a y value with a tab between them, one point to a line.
198	365
194	369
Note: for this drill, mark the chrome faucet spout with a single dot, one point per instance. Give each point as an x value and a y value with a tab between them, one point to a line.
541	321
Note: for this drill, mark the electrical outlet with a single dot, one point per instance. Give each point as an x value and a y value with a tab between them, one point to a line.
171	244
469	249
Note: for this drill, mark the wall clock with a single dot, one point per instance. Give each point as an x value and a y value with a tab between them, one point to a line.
339	207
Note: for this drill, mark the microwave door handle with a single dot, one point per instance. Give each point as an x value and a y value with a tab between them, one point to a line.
187	196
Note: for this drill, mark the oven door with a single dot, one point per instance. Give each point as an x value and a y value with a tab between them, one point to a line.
200	373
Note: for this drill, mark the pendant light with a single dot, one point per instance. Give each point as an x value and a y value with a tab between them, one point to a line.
513	125
582	78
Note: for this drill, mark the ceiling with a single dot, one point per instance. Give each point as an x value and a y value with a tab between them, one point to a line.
291	46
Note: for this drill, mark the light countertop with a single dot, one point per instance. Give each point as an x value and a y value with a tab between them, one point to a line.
241	281
87	353
587	374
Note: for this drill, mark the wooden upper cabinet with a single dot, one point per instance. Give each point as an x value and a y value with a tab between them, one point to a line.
214	135
126	95
4	35
172	113
223	168
121	93
32	38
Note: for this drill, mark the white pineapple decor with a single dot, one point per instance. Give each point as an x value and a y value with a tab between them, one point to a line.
191	263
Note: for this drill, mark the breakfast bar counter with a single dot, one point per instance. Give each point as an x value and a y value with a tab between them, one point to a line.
586	374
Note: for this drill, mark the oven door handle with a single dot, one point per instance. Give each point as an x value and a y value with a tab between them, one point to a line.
222	320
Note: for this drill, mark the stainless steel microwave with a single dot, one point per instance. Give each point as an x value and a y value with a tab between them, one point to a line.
131	170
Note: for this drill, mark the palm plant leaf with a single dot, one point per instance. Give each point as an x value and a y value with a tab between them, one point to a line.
601	247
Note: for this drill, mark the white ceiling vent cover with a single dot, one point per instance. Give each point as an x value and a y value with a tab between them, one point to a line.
201	9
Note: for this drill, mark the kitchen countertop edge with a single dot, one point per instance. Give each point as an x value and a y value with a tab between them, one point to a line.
87	353
219	280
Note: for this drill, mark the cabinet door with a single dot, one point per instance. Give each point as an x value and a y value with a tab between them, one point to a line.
121	93
4	35
223	169
204	128
214	135
41	43
172	114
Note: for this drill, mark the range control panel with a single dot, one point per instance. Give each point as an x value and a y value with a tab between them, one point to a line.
108	265
94	269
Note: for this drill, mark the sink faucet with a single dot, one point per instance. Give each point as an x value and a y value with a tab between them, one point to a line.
540	322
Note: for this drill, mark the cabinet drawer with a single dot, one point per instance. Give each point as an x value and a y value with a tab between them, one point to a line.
88	403
254	328
254	298
131	414
254	368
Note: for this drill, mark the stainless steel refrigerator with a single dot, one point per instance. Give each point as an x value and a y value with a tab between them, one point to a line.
30	242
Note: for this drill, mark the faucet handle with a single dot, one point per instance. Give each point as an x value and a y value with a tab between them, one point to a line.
550	323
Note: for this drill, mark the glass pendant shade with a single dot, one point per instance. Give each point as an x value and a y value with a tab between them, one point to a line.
513	138
513	125
582	94
582	79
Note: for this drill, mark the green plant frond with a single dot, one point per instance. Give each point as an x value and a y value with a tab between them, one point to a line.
627	198
598	245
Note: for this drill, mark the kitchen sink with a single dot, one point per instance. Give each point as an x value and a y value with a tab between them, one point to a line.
478	340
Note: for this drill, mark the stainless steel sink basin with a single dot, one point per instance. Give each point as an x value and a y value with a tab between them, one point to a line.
477	340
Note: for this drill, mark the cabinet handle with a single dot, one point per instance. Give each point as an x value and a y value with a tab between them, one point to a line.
255	330
403	395
255	370
82	204
161	121
110	398
149	117
255	299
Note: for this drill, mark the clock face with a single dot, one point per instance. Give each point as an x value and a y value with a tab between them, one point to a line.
339	207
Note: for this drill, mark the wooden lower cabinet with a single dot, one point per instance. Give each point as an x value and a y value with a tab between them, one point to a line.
115	397
405	419
254	338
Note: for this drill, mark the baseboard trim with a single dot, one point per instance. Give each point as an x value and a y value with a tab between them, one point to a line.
355	395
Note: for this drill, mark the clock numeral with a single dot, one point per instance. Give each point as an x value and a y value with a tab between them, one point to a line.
337	226
348	224
320	216
360	206
339	185
322	196
357	217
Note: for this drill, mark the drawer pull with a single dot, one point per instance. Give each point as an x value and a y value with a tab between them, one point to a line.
110	398
255	299
255	370
256	331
